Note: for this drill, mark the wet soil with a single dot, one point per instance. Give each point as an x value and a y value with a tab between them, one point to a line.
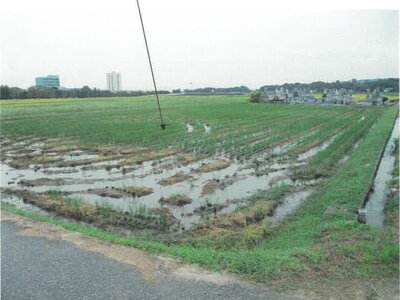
215	166
129	178
217	184
100	216
176	200
178	177
136	191
105	192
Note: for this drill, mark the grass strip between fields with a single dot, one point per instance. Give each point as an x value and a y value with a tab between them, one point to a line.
323	236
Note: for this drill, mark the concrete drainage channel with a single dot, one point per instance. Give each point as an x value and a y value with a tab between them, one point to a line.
372	209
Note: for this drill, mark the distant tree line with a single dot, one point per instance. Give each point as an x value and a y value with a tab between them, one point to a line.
7	92
354	84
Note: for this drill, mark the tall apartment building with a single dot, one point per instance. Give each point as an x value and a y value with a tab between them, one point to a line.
114	81
48	81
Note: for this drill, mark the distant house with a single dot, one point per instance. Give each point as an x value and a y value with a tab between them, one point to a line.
374	98
335	96
284	96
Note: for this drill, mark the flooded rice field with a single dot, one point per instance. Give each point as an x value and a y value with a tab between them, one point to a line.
190	188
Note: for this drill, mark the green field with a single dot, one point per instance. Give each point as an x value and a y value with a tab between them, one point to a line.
238	128
311	244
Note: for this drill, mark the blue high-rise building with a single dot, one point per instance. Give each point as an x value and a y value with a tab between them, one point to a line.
48	81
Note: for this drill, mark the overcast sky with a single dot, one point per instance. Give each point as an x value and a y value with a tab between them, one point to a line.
193	43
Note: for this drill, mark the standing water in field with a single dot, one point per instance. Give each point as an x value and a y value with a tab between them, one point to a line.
290	203
211	184
374	208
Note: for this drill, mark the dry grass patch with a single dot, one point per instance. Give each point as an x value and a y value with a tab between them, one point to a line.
187	159
149	155
178	177
176	200
86	161
43	159
209	187
133	150
137	190
260	210
215	166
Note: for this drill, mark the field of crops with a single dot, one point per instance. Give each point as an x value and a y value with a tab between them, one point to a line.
271	192
237	128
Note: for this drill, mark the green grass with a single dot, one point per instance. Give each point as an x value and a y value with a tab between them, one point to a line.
141	212
273	194
73	201
239	128
54	194
324	163
104	207
69	201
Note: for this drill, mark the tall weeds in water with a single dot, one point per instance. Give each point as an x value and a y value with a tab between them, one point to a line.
104	207
141	212
69	201
54	194
73	201
163	222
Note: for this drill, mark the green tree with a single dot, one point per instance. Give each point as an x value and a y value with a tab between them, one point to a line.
4	92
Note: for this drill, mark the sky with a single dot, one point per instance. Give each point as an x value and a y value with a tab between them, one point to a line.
194	43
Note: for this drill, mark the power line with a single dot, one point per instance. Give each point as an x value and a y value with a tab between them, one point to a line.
151	66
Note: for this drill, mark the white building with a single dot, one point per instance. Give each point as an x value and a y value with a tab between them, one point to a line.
114	81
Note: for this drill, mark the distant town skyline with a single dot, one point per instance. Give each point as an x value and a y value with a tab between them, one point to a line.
193	46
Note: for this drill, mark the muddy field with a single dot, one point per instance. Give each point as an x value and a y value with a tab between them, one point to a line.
189	189
175	178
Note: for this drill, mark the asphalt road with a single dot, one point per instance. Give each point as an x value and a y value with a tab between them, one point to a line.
35	267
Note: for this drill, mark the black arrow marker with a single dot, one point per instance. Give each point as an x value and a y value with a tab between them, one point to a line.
163	125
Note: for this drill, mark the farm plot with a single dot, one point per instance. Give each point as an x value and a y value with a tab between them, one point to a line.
108	157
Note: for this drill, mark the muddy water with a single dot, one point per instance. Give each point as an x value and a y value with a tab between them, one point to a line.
375	205
290	203
19	203
313	151
79	179
149	176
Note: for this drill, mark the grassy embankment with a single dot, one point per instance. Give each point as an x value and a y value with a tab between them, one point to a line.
323	236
